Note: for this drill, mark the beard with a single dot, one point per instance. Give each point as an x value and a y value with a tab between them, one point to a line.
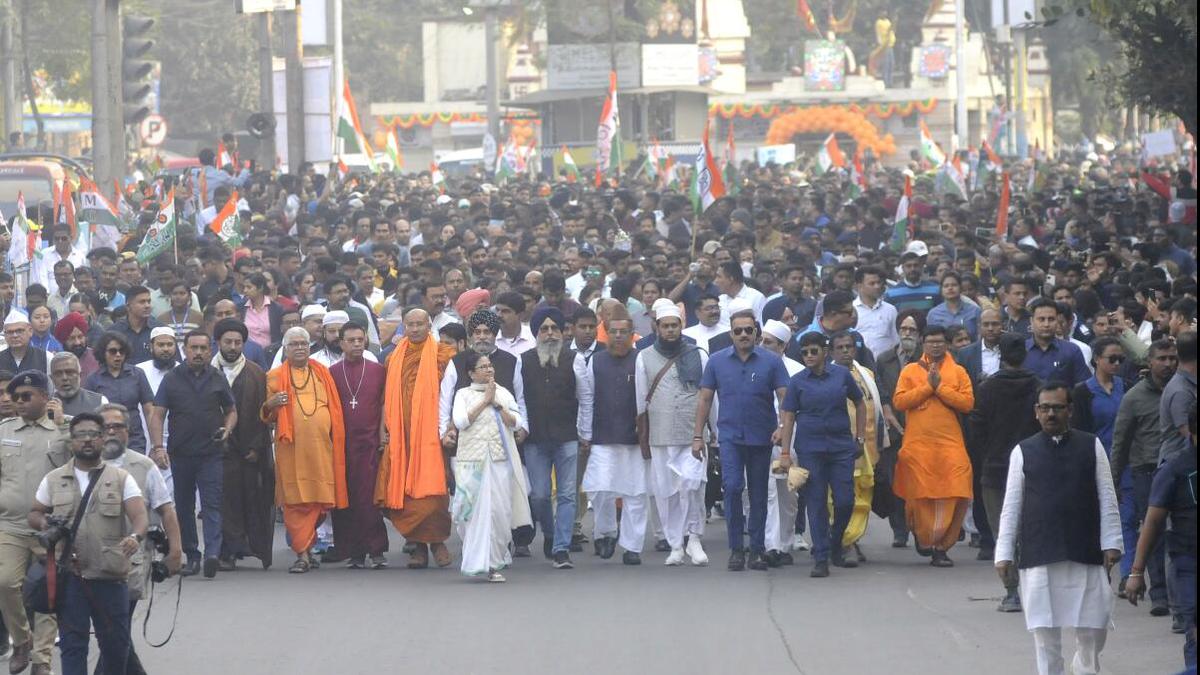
77	349
230	357
112	449
163	363
548	352
334	347
669	346
909	345
484	347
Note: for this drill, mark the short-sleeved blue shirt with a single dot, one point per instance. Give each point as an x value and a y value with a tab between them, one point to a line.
747	390
822	421
1061	361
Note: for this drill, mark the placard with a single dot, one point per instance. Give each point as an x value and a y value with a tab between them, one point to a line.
779	154
587	66
824	65
668	65
1159	143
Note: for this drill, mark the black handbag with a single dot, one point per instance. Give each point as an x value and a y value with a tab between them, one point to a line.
41	582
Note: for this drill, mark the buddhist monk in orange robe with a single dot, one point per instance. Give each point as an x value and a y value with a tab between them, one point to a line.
310	444
933	473
411	486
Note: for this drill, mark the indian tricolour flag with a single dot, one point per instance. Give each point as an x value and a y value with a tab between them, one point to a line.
437	177
161	234
95	208
228	224
707	184
21	246
830	156
608	133
990	164
951	179
929	147
1002	212
348	127
901	222
393	149
569	165
858	178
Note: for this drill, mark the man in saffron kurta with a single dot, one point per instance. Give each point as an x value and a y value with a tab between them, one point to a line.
411	485
310	444
359	530
933	473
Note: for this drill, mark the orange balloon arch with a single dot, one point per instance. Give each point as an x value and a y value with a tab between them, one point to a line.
831	119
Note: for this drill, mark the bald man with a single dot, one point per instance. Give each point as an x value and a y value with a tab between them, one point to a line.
411	485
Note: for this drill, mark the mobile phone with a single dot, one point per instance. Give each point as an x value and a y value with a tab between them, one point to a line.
218	434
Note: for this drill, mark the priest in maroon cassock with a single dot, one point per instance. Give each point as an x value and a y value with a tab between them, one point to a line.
358	530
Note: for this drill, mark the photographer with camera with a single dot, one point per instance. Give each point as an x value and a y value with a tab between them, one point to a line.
98	534
163	538
31	444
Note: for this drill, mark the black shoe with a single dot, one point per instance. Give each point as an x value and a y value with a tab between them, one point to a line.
986	554
562	561
1160	609
609	548
838	559
190	568
548	547
521	552
631	558
940	559
598	547
974	542
923	552
786	559
772	558
1011	602
577	542
1178	624
210	567
662	546
737	561
331	555
758	562
899	542
820	570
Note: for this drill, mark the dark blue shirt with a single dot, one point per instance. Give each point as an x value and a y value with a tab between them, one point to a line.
921	297
691	300
1061	361
822	420
1174	489
1104	409
131	389
138	340
747	390
196	406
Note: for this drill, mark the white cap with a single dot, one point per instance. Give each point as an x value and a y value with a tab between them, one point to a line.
778	330
663	308
335	318
162	331
16	316
355	203
917	247
444	199
739	305
312	310
710	247
464	203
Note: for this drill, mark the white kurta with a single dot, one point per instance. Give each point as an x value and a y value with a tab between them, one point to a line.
610	468
1063	594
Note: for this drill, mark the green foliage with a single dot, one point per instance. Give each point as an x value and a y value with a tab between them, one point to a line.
59	44
1076	49
382	42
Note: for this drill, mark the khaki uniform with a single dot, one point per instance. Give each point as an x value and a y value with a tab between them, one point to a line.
28	451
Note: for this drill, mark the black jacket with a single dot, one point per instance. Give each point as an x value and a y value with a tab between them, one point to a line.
1002	417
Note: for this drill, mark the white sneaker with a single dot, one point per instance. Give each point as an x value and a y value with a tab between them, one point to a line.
676	558
696	552
798	543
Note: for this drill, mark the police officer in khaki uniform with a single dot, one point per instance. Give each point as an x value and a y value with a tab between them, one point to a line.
94	593
31	444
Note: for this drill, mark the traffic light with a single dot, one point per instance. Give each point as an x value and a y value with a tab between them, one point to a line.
135	89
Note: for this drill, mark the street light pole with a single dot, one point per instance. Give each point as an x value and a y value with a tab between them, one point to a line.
266	89
961	128
294	76
493	85
106	102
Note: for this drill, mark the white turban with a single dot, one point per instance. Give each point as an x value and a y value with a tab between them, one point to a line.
778	330
663	308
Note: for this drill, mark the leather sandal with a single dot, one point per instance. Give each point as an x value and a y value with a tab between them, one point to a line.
419	559
441	555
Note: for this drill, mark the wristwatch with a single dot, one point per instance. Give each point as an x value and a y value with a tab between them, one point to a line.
860	440
138	537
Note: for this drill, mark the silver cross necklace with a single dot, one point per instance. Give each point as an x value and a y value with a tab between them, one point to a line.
354	392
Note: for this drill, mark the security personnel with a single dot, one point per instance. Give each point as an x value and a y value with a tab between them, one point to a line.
31	444
94	592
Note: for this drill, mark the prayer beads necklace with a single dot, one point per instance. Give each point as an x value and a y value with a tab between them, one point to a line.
299	401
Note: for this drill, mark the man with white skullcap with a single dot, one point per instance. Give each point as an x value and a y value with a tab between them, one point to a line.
782	504
667	381
19	354
331	352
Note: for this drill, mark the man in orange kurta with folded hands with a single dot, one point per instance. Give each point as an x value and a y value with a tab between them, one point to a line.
310	444
411	486
933	474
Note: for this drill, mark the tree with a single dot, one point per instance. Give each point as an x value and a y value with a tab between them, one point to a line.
1076	48
1157	40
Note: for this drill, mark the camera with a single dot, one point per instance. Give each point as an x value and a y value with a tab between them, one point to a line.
157	537
57	529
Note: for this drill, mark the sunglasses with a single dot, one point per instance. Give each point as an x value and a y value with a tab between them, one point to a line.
114	350
1115	359
23	397
810	351
743	330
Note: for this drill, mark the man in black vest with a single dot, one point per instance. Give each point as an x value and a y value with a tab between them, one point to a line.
548	376
607	425
1060	512
21	355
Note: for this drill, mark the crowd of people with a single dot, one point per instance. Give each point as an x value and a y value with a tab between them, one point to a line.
498	360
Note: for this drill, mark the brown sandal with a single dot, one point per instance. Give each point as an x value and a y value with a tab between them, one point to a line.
441	555
419	559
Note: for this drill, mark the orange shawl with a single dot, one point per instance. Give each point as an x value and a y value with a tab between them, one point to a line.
285	422
421	471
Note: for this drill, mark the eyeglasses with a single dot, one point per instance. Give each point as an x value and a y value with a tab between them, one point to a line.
810	351
485	366
1051	407
549	328
23	396
1114	359
905	330
85	434
743	330
115	426
114	350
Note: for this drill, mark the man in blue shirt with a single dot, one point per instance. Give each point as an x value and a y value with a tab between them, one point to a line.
815	407
750	379
1051	358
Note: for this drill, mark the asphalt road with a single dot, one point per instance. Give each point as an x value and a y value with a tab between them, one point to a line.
894	615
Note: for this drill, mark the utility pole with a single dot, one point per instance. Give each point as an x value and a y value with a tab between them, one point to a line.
106	97
9	76
339	73
294	76
493	84
961	128
116	82
266	89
